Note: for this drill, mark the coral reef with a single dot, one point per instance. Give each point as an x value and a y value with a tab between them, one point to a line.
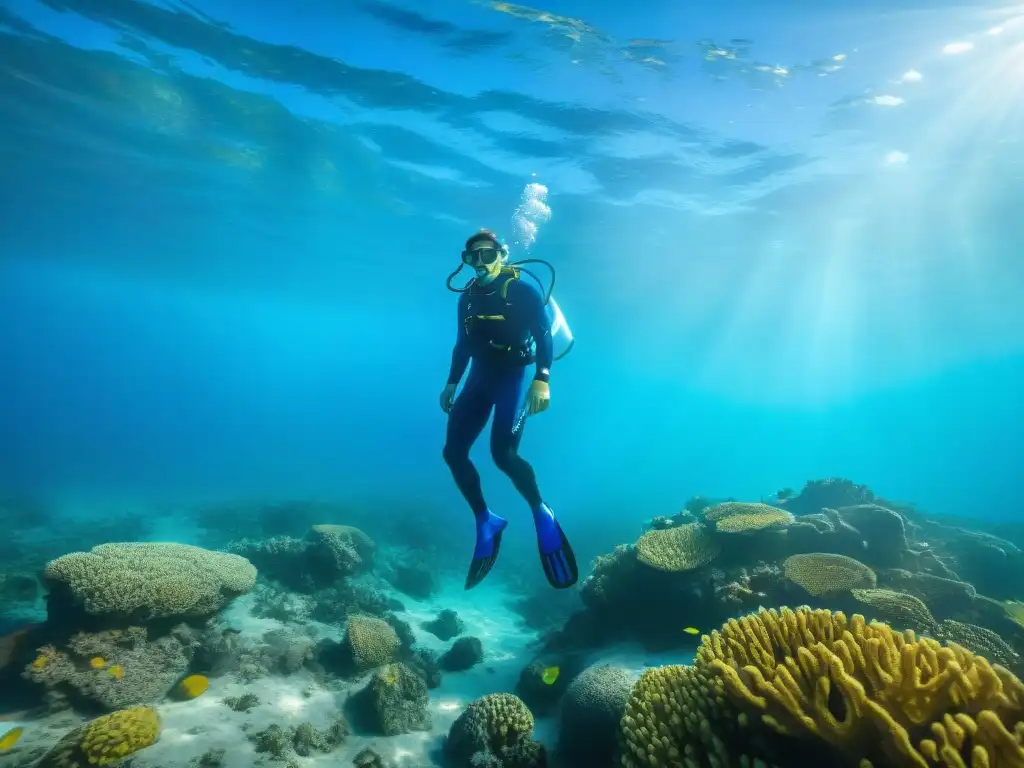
111	669
495	731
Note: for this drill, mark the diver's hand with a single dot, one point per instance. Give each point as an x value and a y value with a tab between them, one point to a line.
538	398
448	397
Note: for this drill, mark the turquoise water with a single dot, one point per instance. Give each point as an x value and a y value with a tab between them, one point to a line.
786	237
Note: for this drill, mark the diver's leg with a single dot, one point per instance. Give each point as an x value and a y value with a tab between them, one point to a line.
556	555
466	421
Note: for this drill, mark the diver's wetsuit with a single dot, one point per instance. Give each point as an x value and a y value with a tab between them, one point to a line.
501	336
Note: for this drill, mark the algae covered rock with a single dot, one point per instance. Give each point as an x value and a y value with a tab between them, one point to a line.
465	653
146	581
393	702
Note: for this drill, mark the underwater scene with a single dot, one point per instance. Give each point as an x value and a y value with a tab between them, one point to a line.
466	384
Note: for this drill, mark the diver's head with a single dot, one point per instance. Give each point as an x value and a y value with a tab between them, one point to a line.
485	254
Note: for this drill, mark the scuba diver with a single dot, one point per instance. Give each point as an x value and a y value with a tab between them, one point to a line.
504	325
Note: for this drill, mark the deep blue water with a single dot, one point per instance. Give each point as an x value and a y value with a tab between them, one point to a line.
787	238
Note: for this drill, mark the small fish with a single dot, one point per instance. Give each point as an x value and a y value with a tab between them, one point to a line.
116	671
11	738
97	662
691	630
550	675
193	686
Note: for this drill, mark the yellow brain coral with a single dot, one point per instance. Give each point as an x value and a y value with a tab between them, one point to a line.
372	642
106	740
152	580
746	517
678	716
822	573
683	548
879	697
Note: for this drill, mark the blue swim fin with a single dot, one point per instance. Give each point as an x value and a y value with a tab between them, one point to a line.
556	556
489	528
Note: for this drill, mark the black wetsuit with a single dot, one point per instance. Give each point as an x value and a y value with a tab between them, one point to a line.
501	336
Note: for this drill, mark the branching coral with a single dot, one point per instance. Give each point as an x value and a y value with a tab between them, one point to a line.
879	697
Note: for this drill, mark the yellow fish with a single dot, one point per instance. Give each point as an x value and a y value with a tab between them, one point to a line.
550	675
11	738
691	631
97	662
193	686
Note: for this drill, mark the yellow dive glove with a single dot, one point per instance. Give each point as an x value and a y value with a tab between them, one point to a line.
538	398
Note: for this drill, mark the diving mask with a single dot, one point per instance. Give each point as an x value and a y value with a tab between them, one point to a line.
486	255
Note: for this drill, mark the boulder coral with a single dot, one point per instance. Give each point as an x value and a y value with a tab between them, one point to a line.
372	642
146	581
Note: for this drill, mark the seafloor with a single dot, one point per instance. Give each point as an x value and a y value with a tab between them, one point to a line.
298	638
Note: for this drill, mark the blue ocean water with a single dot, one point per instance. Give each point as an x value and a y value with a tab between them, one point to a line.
786	237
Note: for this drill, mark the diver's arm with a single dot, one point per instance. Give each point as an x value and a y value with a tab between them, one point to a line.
537	321
460	354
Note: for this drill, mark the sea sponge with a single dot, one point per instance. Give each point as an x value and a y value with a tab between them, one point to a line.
106	740
683	548
746	517
372	642
897	608
151	580
876	696
822	573
497	726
